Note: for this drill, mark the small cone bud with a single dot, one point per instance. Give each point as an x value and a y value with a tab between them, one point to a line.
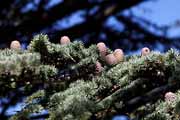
169	96
119	55
99	67
15	45
110	59
102	49
145	51
65	40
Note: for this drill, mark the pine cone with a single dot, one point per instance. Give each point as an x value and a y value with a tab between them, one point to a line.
119	55
111	59
65	40
102	49
169	96
99	67
145	51
15	45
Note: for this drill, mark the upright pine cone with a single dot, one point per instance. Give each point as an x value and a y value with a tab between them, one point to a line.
15	45
99	67
111	59
169	96
64	40
119	55
102	49
145	51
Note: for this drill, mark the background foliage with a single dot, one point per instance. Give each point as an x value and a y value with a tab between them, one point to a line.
21	19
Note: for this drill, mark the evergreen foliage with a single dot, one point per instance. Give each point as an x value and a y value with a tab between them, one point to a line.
64	81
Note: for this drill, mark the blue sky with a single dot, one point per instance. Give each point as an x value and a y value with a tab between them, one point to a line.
161	12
